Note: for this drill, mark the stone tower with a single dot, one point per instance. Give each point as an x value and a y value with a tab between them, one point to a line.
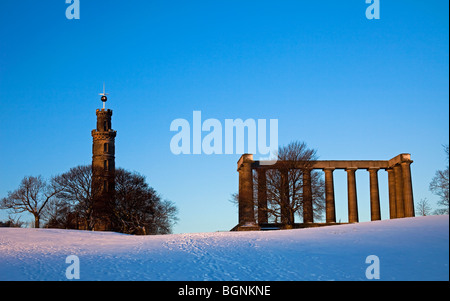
103	167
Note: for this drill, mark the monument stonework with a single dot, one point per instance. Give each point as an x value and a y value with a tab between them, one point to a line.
103	167
401	202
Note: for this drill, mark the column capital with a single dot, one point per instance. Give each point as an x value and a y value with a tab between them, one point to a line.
406	162
351	169
245	158
328	169
373	169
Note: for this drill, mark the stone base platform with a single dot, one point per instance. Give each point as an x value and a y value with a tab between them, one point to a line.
277	226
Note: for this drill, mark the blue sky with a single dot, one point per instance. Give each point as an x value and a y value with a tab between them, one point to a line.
350	87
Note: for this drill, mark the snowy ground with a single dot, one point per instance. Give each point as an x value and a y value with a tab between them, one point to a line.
408	249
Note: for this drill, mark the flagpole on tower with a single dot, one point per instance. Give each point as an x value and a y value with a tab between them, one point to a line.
103	98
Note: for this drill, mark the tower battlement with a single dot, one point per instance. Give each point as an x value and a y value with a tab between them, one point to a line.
104	111
103	135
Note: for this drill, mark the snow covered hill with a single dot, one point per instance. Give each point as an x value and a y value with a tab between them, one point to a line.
408	249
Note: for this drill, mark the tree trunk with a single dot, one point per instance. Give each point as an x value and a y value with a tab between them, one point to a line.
36	221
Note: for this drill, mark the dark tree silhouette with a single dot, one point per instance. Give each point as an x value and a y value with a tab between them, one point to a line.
135	208
138	209
423	208
75	202
439	186
32	196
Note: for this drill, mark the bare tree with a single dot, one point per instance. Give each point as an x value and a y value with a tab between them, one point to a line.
439	186
12	222
75	197
138	209
32	196
59	214
423	208
285	186
134	208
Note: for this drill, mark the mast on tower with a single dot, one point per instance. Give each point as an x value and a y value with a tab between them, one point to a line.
103	98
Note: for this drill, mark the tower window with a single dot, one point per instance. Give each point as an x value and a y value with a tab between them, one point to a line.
105	185
105	125
106	147
106	165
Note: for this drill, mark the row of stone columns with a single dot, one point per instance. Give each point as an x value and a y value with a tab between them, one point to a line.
375	212
401	203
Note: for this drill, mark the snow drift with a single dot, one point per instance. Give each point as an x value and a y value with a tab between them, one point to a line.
408	249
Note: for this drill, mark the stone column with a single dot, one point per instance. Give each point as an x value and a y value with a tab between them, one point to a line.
284	198
392	203
307	197
399	191
408	200
352	196
262	196
246	211
329	196
375	213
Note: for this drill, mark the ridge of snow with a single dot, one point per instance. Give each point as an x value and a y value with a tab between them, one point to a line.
408	248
